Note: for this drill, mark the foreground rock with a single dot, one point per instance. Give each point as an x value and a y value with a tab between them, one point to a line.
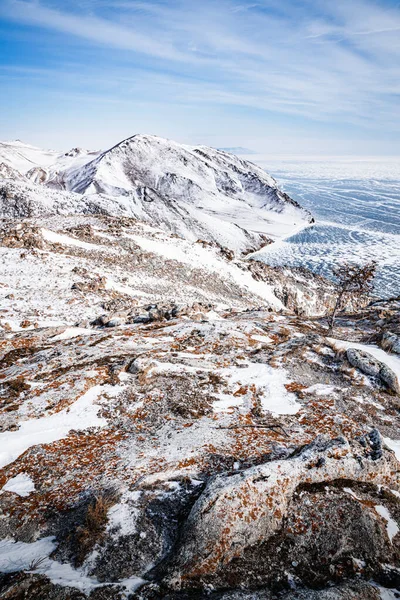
369	365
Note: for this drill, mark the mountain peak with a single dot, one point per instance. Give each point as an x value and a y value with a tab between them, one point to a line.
197	192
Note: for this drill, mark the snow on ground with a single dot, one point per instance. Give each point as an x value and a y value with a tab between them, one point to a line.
321	389
59	238
24	157
388	594
393	445
34	557
22	485
270	383
196	192
15	556
38	286
124	514
64	574
41	283
391	525
72	332
81	415
199	257
265	339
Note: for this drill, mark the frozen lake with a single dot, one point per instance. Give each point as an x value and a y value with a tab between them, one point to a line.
356	204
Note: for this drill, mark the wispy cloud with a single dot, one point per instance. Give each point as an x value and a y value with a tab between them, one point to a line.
327	62
89	27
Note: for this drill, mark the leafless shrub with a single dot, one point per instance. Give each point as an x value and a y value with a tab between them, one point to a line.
36	563
352	280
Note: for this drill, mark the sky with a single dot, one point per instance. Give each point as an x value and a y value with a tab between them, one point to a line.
294	77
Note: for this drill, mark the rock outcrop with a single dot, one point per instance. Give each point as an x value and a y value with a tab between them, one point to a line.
391	342
172	450
368	364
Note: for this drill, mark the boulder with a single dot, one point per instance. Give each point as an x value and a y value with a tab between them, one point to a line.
364	361
115	322
389	378
369	365
244	516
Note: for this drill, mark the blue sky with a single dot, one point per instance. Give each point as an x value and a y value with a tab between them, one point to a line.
276	76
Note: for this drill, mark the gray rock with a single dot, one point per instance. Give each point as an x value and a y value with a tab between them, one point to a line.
35	587
162	510
369	365
83	324
389	377
364	361
244	530
134	368
391	342
115	322
155	314
101	320
145	318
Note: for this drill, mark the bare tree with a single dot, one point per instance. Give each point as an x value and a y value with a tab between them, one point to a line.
352	280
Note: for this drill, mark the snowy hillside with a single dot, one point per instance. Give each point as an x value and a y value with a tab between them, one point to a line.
24	157
41	166
163	404
195	192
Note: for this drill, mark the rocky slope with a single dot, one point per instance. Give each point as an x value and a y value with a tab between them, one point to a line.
178	422
196	192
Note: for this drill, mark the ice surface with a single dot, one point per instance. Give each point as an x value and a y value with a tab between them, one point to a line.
356	203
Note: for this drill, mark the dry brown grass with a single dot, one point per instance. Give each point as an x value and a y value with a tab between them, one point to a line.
295	387
93	531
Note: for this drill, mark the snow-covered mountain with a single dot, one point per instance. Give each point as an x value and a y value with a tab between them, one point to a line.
195	192
25	158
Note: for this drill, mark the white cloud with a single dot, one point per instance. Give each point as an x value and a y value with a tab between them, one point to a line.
332	62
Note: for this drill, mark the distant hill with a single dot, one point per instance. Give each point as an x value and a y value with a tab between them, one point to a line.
238	150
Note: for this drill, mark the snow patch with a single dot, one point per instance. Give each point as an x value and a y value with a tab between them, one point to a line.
81	415
265	339
393	445
15	556
21	484
269	382
321	389
123	515
72	332
391	525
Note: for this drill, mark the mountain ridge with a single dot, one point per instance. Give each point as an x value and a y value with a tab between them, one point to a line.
193	191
